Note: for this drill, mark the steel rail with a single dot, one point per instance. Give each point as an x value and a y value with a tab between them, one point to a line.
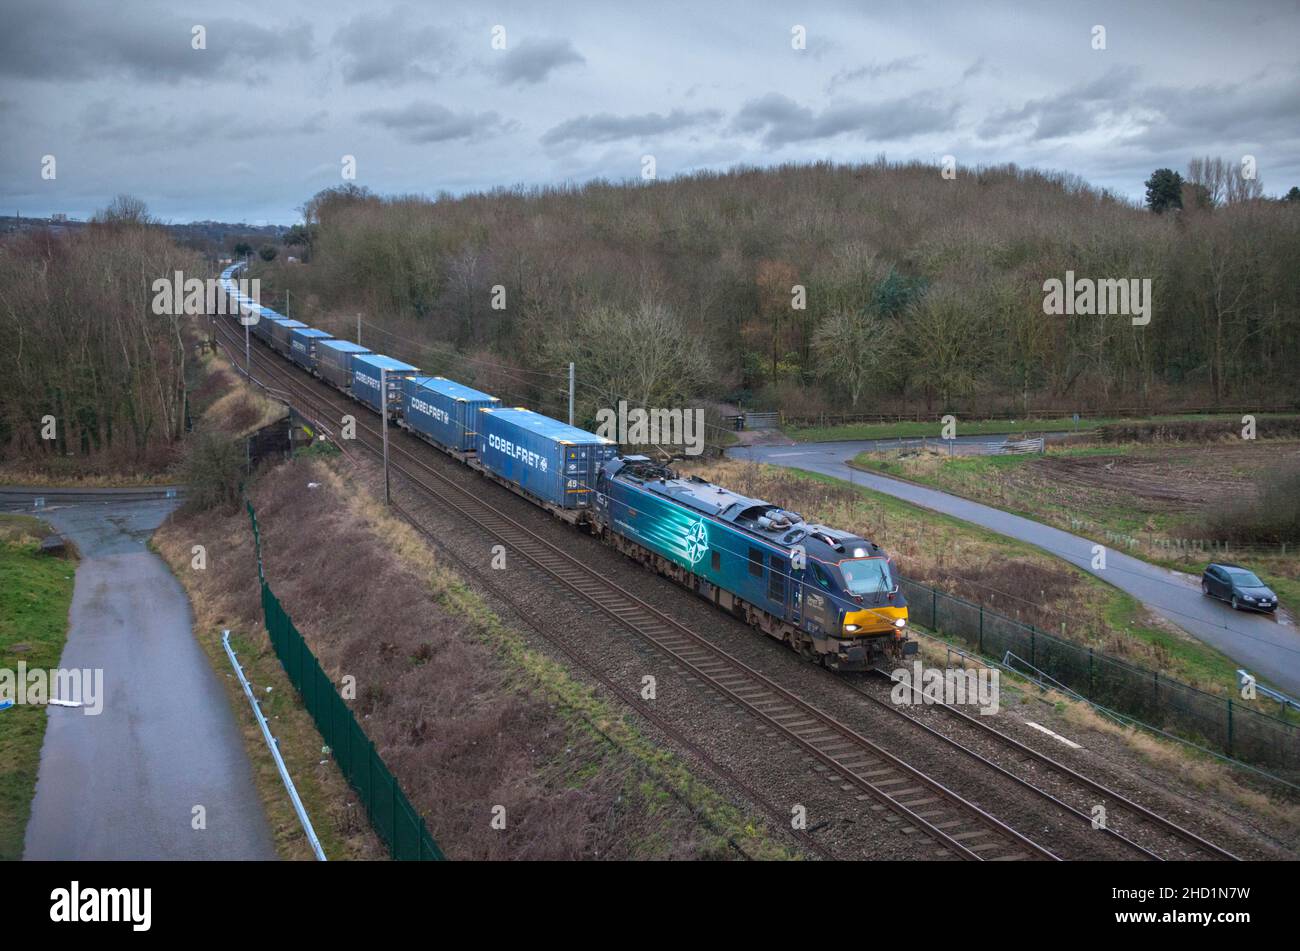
860	761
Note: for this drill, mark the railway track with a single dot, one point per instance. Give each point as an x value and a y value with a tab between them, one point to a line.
956	826
1173	836
953	826
778	817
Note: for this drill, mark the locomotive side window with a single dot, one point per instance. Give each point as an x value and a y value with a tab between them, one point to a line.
822	577
776	580
717	561
756	562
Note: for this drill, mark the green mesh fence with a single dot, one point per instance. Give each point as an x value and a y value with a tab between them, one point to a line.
1218	723
390	812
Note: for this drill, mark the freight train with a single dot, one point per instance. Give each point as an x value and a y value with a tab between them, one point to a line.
829	594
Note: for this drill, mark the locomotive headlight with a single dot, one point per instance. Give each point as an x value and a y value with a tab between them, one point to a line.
900	622
850	628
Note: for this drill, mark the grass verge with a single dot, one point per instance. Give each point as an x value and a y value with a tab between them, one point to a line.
981	427
1178	764
35	593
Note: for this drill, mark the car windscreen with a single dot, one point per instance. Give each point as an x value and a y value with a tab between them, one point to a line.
1244	578
866	576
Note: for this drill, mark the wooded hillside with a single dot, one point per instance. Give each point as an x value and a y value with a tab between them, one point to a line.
921	292
80	343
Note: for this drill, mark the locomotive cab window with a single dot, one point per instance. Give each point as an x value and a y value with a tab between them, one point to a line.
756	562
822	578
866	576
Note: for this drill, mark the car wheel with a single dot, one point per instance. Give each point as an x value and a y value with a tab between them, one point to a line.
1235	605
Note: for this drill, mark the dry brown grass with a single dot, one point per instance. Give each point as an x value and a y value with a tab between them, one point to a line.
1196	430
78	472
965	561
1180	766
238	410
1177	765
464	722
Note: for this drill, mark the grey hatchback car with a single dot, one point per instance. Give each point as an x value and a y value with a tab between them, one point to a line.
1238	586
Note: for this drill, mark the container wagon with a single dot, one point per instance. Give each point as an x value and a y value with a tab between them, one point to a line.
240	306
280	330
367	369
302	345
543	457
334	361
262	329
443	411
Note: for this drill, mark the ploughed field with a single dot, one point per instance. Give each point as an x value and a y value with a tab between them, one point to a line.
1159	480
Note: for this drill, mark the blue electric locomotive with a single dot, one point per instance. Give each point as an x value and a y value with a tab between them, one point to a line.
827	593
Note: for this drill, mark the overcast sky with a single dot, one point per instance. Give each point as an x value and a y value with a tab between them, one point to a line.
253	125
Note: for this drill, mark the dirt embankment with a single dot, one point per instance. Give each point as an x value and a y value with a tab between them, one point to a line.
464	725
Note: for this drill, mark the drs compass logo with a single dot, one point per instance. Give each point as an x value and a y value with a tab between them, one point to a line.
697	542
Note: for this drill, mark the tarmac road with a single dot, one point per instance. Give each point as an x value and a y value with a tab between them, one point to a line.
122	784
1267	647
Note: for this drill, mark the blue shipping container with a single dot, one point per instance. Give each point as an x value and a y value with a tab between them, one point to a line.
552	460
280	330
239	305
334	360
444	411
302	345
366	369
262	329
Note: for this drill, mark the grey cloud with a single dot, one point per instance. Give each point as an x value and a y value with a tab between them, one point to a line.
429	122
533	60
874	70
1075	111
782	121
1231	113
61	40
605	127
148	129
387	47
117	92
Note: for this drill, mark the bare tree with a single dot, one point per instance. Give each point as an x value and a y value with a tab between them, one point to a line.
645	354
1223	182
80	340
853	349
124	210
950	343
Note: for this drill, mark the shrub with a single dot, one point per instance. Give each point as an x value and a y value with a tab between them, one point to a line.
1270	517
213	471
